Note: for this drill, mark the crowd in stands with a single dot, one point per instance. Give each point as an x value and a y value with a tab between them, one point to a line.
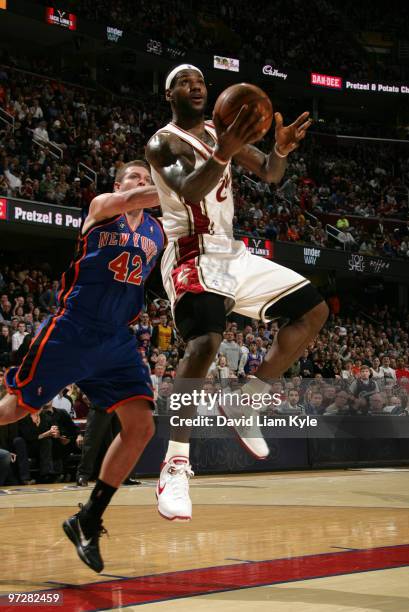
340	185
345	345
286	34
85	127
358	364
354	179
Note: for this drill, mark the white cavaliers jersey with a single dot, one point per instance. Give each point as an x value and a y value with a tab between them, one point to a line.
202	254
214	214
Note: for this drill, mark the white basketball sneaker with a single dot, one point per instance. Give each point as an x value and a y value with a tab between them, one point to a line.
172	490
249	434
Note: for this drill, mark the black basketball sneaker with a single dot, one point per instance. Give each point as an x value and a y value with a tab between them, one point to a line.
87	548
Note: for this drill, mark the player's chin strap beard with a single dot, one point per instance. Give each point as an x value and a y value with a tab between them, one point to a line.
183	111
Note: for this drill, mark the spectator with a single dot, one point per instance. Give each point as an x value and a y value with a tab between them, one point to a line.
377	371
81	405
292	404
402	371
18	337
23	349
64	438
16	446
231	350
254	360
6	460
364	385
163	334
156	378
387	371
377	404
100	430
339	406
347	373
143	332
306	365
5	346
342	224
37	433
314	405
49	298
394	407
220	371
62	401
164	391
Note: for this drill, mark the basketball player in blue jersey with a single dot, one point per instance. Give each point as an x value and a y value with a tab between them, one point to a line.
88	340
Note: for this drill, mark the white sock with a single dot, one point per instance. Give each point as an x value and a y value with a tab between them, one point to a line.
177	449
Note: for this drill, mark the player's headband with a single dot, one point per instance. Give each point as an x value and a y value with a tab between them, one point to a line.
174	72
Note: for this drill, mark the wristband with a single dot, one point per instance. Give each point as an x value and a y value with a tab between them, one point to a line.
219	160
278	153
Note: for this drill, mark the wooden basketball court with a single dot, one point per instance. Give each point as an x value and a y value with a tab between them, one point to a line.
332	541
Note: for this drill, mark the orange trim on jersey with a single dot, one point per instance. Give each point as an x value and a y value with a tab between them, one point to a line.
100	224
61	291
143	219
136	317
20	402
130	399
21	367
53	324
23	383
77	269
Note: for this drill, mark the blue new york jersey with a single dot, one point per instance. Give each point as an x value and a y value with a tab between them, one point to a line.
105	283
88	341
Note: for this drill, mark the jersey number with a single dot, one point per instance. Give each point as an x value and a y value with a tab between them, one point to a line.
122	273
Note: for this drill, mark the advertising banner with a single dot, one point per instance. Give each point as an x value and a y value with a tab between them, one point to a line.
43	215
308	256
226	63
58	17
259	246
326	80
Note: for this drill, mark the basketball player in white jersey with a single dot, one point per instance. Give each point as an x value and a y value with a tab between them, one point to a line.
207	273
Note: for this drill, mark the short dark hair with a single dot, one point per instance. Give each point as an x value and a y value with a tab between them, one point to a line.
120	173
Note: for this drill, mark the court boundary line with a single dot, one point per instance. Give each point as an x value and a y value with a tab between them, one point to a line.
372	559
256	586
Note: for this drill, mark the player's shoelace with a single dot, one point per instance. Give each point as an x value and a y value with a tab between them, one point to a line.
100	530
180	475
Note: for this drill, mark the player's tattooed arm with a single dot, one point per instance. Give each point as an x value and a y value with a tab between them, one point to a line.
271	168
174	160
108	205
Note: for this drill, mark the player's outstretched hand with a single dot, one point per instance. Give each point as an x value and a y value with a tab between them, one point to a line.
244	129
289	137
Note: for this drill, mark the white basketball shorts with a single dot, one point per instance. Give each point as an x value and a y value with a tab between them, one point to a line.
222	265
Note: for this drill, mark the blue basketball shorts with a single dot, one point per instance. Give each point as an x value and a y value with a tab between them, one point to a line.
106	365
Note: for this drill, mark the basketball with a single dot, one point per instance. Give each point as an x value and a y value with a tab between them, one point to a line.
234	97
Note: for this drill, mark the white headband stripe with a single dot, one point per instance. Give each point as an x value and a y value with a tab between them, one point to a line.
174	72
